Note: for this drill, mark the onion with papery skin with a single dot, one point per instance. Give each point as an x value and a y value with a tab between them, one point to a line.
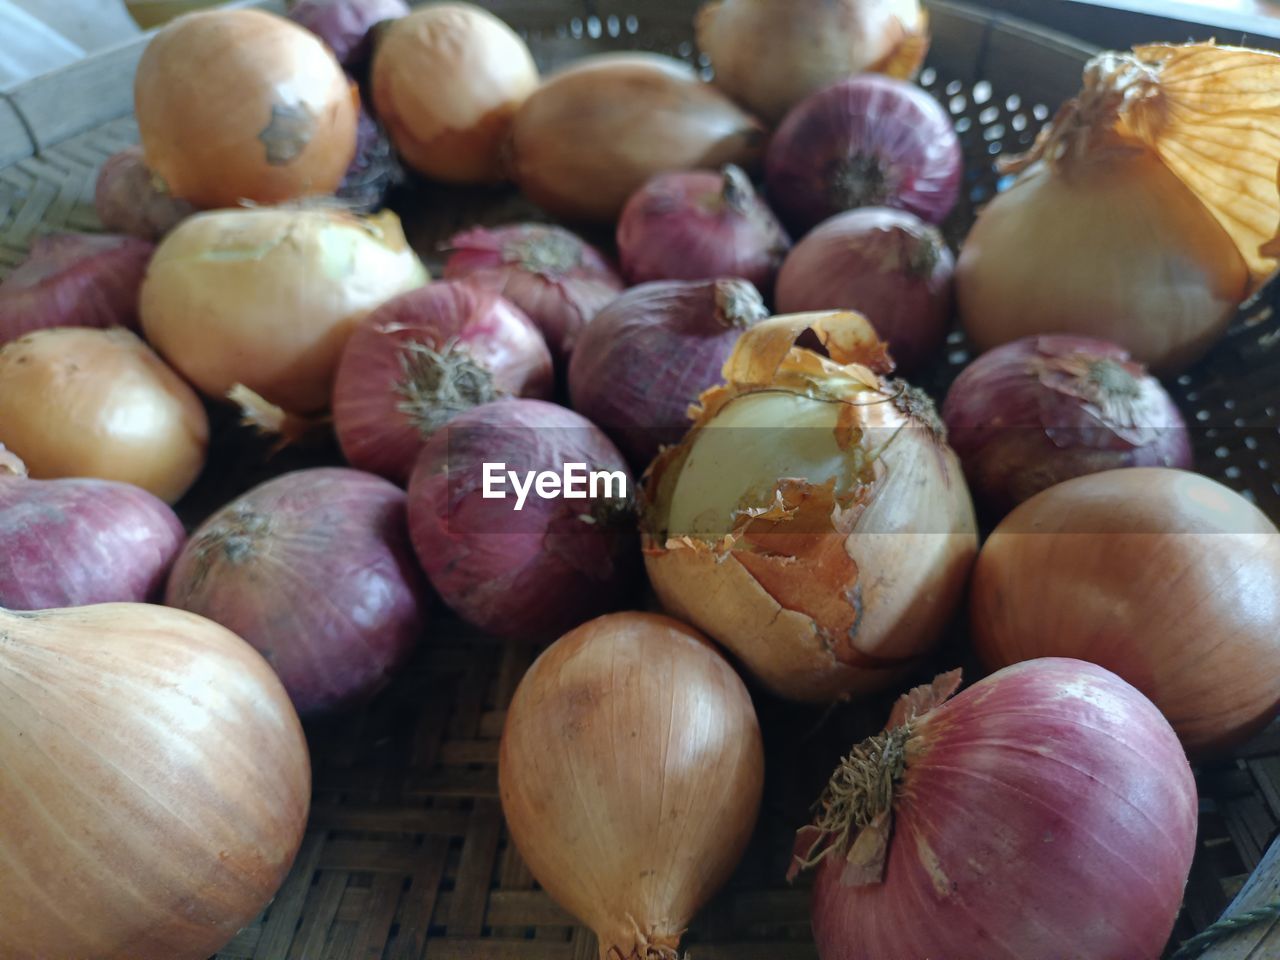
868	141
631	772
813	520
239	105
314	569
1041	410
648	355
556	278
345	25
595	131
769	56
68	543
1048	807
533	569
166	747
1165	577
700	225
423	358
74	280
129	198
76	402
268	298
373	172
447	80
889	265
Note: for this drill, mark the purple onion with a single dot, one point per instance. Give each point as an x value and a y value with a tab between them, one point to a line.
374	169
315	570
530	571
889	265
869	141
650	354
1032	413
129	198
345	24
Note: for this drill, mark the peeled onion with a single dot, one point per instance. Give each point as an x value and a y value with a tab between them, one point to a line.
129	198
345	25
167	749
243	105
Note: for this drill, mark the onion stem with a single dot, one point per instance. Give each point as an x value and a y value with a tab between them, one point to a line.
861	181
439	384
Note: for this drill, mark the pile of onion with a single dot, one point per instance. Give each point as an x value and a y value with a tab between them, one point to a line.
167	749
1166	578
346	25
243	105
76	402
889	265
1041	410
648	355
699	225
129	198
555	277
423	358
632	845
525	566
315	570
814	520
1047	807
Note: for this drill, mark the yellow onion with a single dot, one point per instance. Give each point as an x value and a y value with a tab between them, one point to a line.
447	80
813	520
268	297
76	402
769	56
1138	215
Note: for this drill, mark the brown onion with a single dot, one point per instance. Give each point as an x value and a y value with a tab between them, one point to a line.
129	198
166	747
243	105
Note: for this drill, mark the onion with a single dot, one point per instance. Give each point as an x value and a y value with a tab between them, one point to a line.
560	281
243	105
699	225
594	132
76	402
769	56
74	280
166	748
1164	577
531	569
130	199
1048	807
425	357
630	773
648	355
315	570
373	172
889	265
345	25
267	298
447	79
68	543
1041	410
813	520
867	141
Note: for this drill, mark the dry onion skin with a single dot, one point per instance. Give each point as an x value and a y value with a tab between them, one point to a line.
447	80
239	105
129	198
268	297
1164	577
631	771
166	747
76	402
813	520
1139	214
597	130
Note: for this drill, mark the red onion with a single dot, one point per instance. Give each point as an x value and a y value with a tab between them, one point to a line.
70	543
315	570
345	24
528	570
869	141
699	225
650	353
130	199
74	280
560	281
889	265
422	358
1049	807
374	169
1040	410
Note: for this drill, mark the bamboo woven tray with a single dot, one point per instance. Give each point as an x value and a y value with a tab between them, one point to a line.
406	855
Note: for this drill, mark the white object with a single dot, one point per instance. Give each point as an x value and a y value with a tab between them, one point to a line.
37	36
